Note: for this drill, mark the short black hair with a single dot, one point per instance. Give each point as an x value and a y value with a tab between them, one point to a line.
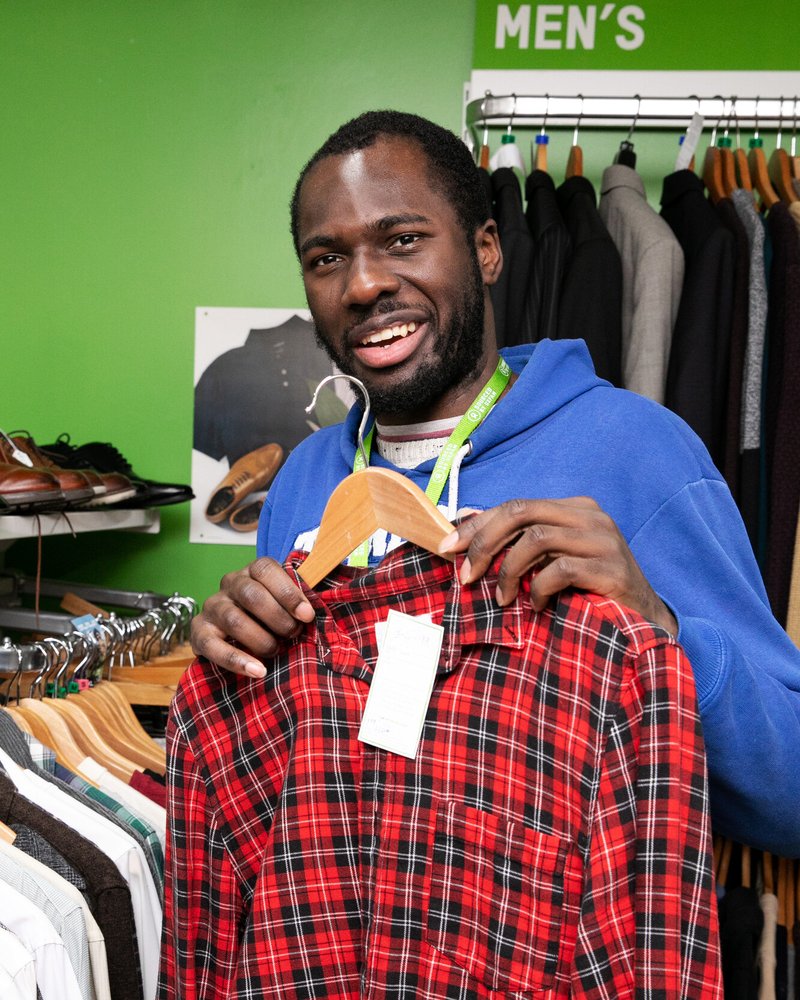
450	163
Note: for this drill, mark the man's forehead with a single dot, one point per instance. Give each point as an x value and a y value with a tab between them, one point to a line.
402	156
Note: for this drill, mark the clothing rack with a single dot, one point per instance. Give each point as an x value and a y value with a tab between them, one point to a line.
633	110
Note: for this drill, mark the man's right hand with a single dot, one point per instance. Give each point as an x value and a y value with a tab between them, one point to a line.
256	608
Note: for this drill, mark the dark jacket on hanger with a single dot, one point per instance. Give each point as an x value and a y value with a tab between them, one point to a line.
738	342
782	406
697	377
591	292
513	288
550	252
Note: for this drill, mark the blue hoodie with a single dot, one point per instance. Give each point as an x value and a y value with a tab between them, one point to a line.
561	431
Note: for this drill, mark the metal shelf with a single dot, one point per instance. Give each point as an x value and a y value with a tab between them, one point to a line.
13	527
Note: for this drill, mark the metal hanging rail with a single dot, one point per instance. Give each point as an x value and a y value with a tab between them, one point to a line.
608	111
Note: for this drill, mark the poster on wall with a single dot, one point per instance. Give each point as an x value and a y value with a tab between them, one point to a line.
255	372
658	48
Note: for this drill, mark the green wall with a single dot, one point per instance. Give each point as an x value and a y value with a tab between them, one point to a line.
148	154
149	149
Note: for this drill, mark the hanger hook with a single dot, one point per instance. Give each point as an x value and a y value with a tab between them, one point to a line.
713	140
735	113
635	117
793	145
364	419
578	123
486	95
755	116
779	137
542	130
9	646
511	116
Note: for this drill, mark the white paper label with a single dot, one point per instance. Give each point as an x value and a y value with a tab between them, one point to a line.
402	683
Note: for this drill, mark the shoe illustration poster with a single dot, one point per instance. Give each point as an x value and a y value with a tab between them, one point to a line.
255	372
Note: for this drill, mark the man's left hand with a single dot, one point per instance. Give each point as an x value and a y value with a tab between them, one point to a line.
572	542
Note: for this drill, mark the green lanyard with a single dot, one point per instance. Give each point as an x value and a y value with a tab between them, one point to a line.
473	418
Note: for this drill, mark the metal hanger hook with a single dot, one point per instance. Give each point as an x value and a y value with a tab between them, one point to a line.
779	137
635	117
578	123
511	116
362	426
714	130
543	129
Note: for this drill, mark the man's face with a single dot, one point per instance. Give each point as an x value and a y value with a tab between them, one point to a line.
396	291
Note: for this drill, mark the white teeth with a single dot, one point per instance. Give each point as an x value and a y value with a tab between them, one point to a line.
401	330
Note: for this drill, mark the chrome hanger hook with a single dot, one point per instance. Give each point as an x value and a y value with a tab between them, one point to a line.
578	123
543	129
713	140
363	389
779	137
511	116
635	117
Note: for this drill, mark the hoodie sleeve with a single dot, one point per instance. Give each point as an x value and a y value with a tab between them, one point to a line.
696	555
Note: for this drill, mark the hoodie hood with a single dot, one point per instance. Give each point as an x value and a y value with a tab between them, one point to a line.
550	375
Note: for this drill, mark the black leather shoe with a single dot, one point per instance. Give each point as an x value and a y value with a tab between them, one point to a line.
105	458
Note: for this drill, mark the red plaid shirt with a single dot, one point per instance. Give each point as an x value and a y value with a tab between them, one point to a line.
550	839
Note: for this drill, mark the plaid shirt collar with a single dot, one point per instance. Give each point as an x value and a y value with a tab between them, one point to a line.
474	622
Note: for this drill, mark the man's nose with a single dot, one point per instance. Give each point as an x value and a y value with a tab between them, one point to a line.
368	277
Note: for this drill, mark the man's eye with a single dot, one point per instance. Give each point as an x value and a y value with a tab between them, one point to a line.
326	258
406	239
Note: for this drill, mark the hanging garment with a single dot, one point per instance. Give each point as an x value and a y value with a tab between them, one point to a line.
64	913
55	977
766	948
652	278
782	407
740	924
510	293
118	845
740	318
551	833
753	367
591	291
17	968
697	377
109	895
96	945
550	252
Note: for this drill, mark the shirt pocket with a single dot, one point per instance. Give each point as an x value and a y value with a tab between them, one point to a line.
496	900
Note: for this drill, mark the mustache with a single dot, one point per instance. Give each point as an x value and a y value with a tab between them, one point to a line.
384	308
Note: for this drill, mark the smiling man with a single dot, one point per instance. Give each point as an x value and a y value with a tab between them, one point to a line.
591	486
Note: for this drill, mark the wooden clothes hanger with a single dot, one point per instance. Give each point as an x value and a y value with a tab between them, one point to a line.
759	173
575	158
779	167
361	504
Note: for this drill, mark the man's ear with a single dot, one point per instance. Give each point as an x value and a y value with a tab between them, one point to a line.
487	247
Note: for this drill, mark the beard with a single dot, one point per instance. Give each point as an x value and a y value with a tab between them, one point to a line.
457	354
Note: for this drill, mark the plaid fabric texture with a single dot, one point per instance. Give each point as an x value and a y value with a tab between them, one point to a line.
551	838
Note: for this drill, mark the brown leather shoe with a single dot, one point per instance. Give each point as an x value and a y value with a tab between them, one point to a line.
107	487
252	472
23	489
74	485
245	518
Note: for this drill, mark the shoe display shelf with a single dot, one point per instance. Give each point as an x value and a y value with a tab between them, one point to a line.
13	527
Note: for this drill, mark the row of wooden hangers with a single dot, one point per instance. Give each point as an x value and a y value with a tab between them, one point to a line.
725	168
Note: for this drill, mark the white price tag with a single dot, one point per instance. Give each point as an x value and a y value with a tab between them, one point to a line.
402	683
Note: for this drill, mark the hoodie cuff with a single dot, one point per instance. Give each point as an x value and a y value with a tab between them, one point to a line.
704	644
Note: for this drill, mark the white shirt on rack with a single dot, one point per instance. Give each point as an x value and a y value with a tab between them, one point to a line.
133	800
17	968
55	976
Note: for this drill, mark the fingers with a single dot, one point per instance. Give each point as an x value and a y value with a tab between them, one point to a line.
487	533
255	609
